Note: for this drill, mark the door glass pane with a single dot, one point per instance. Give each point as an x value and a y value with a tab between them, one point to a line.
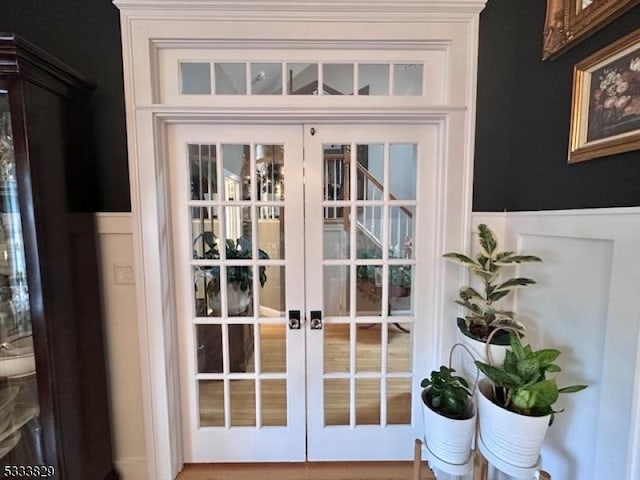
369	290
337	159
398	401
270	172
195	78
236	161
336	401
370	231
243	403
271	233
399	347
241	357
401	231
367	401
336	290
239	291
203	172
337	79
337	347
266	78
336	241
400	283
369	347
272	294
211	402
273	348
206	291
402	171
302	78
239	233
373	79
209	347
231	79
407	79
370	179
205	233
18	390
274	402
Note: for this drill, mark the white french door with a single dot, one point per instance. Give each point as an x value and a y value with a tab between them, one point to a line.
299	252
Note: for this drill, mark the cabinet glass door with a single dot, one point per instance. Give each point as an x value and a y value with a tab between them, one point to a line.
20	431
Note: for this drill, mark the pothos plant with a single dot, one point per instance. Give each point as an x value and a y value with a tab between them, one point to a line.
522	385
447	394
484	314
240	276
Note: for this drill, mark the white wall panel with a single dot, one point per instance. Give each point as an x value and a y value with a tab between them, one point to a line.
123	352
585	305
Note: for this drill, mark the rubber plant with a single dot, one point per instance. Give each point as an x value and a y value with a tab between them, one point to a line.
484	312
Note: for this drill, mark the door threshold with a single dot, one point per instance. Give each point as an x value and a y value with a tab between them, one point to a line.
303	471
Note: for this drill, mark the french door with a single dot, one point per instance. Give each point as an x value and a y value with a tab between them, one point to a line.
300	262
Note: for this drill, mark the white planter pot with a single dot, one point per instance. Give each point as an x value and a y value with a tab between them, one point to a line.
448	439
513	438
479	351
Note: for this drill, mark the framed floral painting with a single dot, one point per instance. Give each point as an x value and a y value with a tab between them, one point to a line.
605	117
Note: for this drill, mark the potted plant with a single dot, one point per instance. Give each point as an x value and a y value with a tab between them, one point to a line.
239	277
516	401
449	416
484	312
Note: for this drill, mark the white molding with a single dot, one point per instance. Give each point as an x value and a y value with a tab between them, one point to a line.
362	10
450	26
112	223
617	453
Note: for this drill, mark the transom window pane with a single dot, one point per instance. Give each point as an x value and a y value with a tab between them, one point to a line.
195	78
407	79
337	79
266	78
302	78
231	79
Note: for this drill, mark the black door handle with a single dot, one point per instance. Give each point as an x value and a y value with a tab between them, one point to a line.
294	319
316	319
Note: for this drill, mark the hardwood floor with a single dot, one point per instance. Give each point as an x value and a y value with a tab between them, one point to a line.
305	471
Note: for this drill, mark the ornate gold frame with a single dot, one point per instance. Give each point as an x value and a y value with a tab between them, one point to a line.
567	23
580	148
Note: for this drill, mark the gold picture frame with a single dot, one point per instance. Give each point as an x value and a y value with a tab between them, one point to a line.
605	108
567	22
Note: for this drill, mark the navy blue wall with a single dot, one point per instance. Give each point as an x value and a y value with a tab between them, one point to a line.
85	34
524	104
522	116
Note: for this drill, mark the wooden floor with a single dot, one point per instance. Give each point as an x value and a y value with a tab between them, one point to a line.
305	471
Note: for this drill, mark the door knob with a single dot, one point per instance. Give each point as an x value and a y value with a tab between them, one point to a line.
294	319
316	319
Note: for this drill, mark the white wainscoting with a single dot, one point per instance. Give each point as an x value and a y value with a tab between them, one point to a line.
586	305
123	352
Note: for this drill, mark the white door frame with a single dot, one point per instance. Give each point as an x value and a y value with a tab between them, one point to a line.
446	31
158	329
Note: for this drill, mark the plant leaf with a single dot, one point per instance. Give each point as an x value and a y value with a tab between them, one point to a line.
517	259
460	259
487	239
498	376
572	389
515	283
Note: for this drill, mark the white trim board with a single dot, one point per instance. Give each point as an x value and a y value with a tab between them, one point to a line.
585	303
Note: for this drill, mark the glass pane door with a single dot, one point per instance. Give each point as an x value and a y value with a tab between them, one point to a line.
20	430
363	187
238	244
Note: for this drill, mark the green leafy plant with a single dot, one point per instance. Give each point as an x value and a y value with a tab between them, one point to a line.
484	314
521	382
240	276
447	394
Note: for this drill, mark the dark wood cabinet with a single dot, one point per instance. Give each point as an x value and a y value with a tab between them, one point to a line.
53	396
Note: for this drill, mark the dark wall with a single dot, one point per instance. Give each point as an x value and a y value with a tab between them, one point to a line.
85	34
523	115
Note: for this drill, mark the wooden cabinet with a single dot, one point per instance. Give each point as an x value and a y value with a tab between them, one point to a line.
53	397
